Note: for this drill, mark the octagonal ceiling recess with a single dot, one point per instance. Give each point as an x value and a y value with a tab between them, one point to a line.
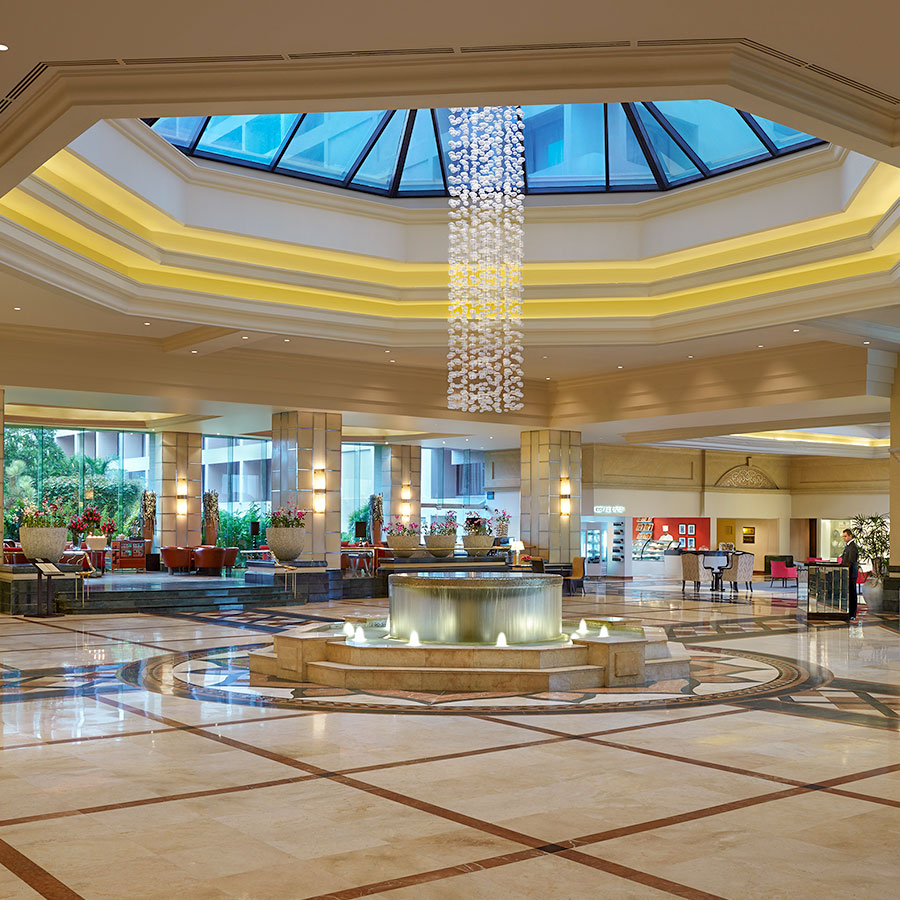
569	148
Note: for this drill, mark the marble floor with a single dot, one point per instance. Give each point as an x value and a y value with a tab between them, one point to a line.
116	784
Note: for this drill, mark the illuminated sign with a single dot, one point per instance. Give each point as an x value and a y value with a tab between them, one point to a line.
609	510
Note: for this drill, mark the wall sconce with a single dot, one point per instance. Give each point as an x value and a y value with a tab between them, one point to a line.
406	492
405	506
181	504
319	490
405	511
565	497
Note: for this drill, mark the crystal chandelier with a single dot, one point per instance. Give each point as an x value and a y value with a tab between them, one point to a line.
486	183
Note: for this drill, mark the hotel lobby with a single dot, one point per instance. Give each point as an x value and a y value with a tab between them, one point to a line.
410	497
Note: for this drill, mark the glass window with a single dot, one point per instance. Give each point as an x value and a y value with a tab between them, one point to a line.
716	133
377	170
328	144
255	139
452	478
676	164
422	170
627	163
179	131
565	146
781	135
358	483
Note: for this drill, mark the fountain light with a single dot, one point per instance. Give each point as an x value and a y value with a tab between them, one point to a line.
387	625
604	631
348	629
501	639
359	636
582	627
414	638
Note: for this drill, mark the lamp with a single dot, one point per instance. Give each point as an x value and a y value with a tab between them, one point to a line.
565	497
517	547
319	490
405	492
181	504
405	511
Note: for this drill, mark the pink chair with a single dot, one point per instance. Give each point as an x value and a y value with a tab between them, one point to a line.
783	572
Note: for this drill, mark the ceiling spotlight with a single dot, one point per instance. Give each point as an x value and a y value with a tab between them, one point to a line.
690	357
392	360
193	351
620	367
287	340
546	379
545	357
387	351
867	342
146	323
3	47
796	331
245	337
760	346
17	308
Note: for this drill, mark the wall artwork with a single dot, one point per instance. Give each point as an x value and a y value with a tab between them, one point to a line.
692	543
682	528
748	534
692	529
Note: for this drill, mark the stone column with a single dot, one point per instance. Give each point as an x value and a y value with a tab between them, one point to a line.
401	469
179	508
892	582
549	457
304	444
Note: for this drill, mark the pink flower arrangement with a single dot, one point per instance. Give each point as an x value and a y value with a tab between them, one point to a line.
47	515
288	517
91	518
108	528
447	527
396	527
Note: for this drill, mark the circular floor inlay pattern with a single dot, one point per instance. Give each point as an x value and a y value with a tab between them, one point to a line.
221	675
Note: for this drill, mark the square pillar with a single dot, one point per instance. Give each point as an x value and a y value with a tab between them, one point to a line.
306	445
401	468
2	464
548	458
179	507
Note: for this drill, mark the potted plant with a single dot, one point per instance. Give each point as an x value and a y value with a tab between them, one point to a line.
441	537
107	529
402	537
376	518
43	531
284	535
501	522
77	527
479	537
92	520
211	517
148	514
873	538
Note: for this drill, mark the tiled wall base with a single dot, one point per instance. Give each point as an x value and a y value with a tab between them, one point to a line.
320	585
18	595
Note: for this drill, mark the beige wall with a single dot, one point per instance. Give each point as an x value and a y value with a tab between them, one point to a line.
180	478
401	465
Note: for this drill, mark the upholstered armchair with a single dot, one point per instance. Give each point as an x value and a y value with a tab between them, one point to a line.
231	555
692	569
740	571
175	558
208	560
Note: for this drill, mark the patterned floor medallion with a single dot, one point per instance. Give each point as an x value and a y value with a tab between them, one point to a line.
717	675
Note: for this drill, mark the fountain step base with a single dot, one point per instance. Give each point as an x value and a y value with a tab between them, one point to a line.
439	678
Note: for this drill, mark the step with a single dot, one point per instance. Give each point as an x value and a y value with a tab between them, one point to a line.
424	678
456	657
676	664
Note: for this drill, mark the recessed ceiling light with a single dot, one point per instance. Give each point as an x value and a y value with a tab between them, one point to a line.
17	308
490	437
193	351
690	357
546	379
443	442
245	337
3	47
392	360
867	342
760	346
387	351
620	367
796	331
146	323
467	440
545	357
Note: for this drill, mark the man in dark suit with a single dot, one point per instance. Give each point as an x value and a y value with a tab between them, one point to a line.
850	559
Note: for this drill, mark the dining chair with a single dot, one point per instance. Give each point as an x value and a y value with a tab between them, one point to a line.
782	571
691	570
577	576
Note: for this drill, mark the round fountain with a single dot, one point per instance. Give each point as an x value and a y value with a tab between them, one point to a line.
473	631
475	608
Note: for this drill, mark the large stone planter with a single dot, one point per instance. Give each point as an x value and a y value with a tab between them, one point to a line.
43	543
95	541
478	544
873	594
286	544
403	545
440	545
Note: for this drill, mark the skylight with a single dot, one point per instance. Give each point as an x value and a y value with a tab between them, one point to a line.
569	148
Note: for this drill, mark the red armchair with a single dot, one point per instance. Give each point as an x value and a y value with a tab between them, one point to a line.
231	555
209	560
175	558
783	572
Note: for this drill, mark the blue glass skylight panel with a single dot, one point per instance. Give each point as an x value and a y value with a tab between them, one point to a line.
255	139
377	169
675	163
328	144
565	146
627	163
179	131
781	135
716	133
422	171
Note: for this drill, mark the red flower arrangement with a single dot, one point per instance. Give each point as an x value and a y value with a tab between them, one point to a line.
76	526
91	518
108	528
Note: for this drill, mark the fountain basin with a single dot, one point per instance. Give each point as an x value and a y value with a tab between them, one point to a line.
475	607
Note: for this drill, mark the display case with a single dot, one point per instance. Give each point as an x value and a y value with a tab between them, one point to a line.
129	555
825	588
